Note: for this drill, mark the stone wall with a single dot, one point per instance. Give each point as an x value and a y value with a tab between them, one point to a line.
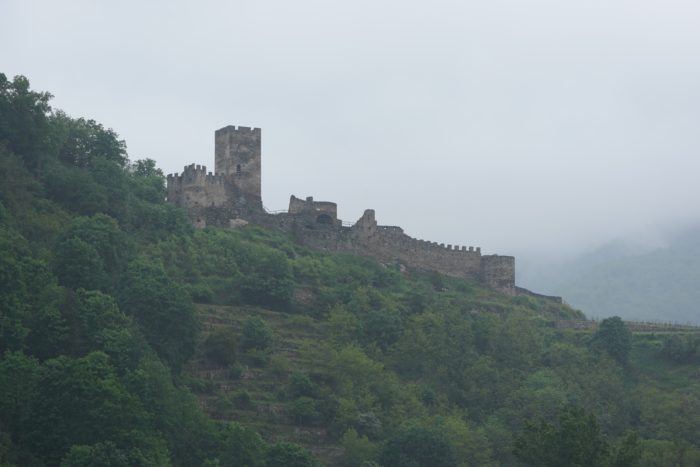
231	198
314	212
195	190
529	293
498	272
391	244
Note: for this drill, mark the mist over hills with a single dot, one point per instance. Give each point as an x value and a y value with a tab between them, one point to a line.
626	280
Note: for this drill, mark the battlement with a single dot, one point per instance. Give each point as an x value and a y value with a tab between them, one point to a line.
309	205
193	174
459	249
195	189
239	129
366	227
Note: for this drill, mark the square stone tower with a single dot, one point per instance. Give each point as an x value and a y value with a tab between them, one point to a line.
237	156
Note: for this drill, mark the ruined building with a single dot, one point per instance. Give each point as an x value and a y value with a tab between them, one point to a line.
230	197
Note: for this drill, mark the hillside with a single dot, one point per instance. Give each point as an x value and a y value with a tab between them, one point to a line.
654	285
130	338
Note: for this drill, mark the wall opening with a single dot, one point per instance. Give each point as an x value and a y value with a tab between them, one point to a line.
324	219
238	169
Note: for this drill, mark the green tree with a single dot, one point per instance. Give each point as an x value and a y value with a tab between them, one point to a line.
256	334
241	446
289	455
220	347
135	449
18	386
13	294
105	454
49	331
628	453
113	178
97	323
78	265
82	402
23	119
357	449
75	190
267	280
381	327
301	385
103	233
576	441
681	348
162	308
82	142
148	181
615	338
303	410
662	453
27	291
148	215
418	447
173	411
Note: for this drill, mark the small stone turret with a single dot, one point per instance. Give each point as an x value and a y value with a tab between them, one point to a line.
498	272
196	190
315	213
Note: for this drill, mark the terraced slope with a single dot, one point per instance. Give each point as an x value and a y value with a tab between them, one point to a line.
254	390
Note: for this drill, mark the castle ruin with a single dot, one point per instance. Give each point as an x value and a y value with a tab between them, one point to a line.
231	196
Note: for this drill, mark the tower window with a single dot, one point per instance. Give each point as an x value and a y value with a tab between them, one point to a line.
238	169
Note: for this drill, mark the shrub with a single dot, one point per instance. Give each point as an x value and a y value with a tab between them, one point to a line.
681	348
235	371
220	347
256	334
358	450
242	400
289	455
201	293
256	357
303	410
241	446
301	322
615	338
418	447
279	366
301	385
368	424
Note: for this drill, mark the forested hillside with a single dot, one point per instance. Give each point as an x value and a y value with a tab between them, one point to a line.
130	339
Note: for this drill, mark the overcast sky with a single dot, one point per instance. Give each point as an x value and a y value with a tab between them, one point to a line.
525	127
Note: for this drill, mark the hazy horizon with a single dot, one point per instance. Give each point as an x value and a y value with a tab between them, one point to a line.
538	130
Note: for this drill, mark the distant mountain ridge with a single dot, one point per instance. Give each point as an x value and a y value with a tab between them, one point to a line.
616	279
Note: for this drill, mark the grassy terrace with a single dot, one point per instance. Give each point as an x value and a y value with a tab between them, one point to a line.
253	391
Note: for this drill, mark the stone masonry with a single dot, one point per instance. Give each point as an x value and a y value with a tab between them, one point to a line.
231	196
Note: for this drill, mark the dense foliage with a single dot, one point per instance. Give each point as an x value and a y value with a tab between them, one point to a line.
93	330
116	318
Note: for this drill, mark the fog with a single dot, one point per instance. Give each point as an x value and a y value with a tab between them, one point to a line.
538	129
